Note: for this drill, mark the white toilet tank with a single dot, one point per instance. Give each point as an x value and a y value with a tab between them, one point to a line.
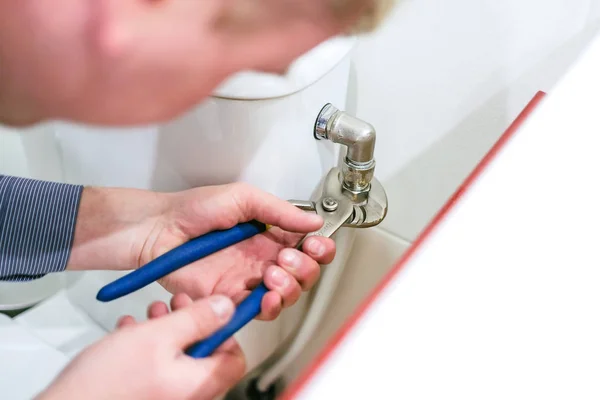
256	128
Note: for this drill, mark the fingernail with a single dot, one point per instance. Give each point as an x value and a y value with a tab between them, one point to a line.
290	258
280	278
316	248
221	306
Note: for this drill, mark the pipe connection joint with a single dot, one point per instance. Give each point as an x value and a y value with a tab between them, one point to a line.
359	138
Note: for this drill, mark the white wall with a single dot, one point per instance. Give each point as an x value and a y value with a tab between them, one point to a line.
443	79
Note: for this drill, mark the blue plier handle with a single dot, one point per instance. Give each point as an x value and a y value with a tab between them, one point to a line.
183	255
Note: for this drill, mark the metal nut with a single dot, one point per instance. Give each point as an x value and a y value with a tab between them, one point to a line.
329	204
357	178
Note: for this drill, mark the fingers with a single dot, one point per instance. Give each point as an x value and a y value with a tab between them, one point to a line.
262	206
296	272
227	368
157	310
281	281
224	369
301	266
227	365
230	346
287	282
194	322
180	300
321	249
124	321
271	306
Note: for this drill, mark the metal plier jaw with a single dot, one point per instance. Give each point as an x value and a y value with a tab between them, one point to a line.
341	207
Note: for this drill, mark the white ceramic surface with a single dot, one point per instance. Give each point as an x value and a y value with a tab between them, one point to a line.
27	364
303	72
61	324
20	295
374	253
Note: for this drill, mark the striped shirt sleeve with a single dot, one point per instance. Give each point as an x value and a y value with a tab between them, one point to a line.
37	225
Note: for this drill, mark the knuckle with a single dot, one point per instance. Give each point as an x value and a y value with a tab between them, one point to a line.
310	279
293	296
308	266
240	196
241	190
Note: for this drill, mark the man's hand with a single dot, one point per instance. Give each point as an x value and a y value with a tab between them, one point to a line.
122	62
125	229
146	361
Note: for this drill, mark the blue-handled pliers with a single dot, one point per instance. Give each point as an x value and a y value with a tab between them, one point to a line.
210	243
186	254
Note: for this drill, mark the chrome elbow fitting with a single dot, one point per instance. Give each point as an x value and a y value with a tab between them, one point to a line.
359	138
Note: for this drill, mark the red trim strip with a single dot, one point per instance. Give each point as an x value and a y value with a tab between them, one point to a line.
296	387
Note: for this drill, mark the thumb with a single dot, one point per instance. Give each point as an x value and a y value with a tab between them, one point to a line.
195	322
254	203
239	202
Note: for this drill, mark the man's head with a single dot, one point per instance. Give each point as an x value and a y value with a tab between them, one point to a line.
121	62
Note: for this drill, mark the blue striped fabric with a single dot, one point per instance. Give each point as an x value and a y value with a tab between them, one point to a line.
37	225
